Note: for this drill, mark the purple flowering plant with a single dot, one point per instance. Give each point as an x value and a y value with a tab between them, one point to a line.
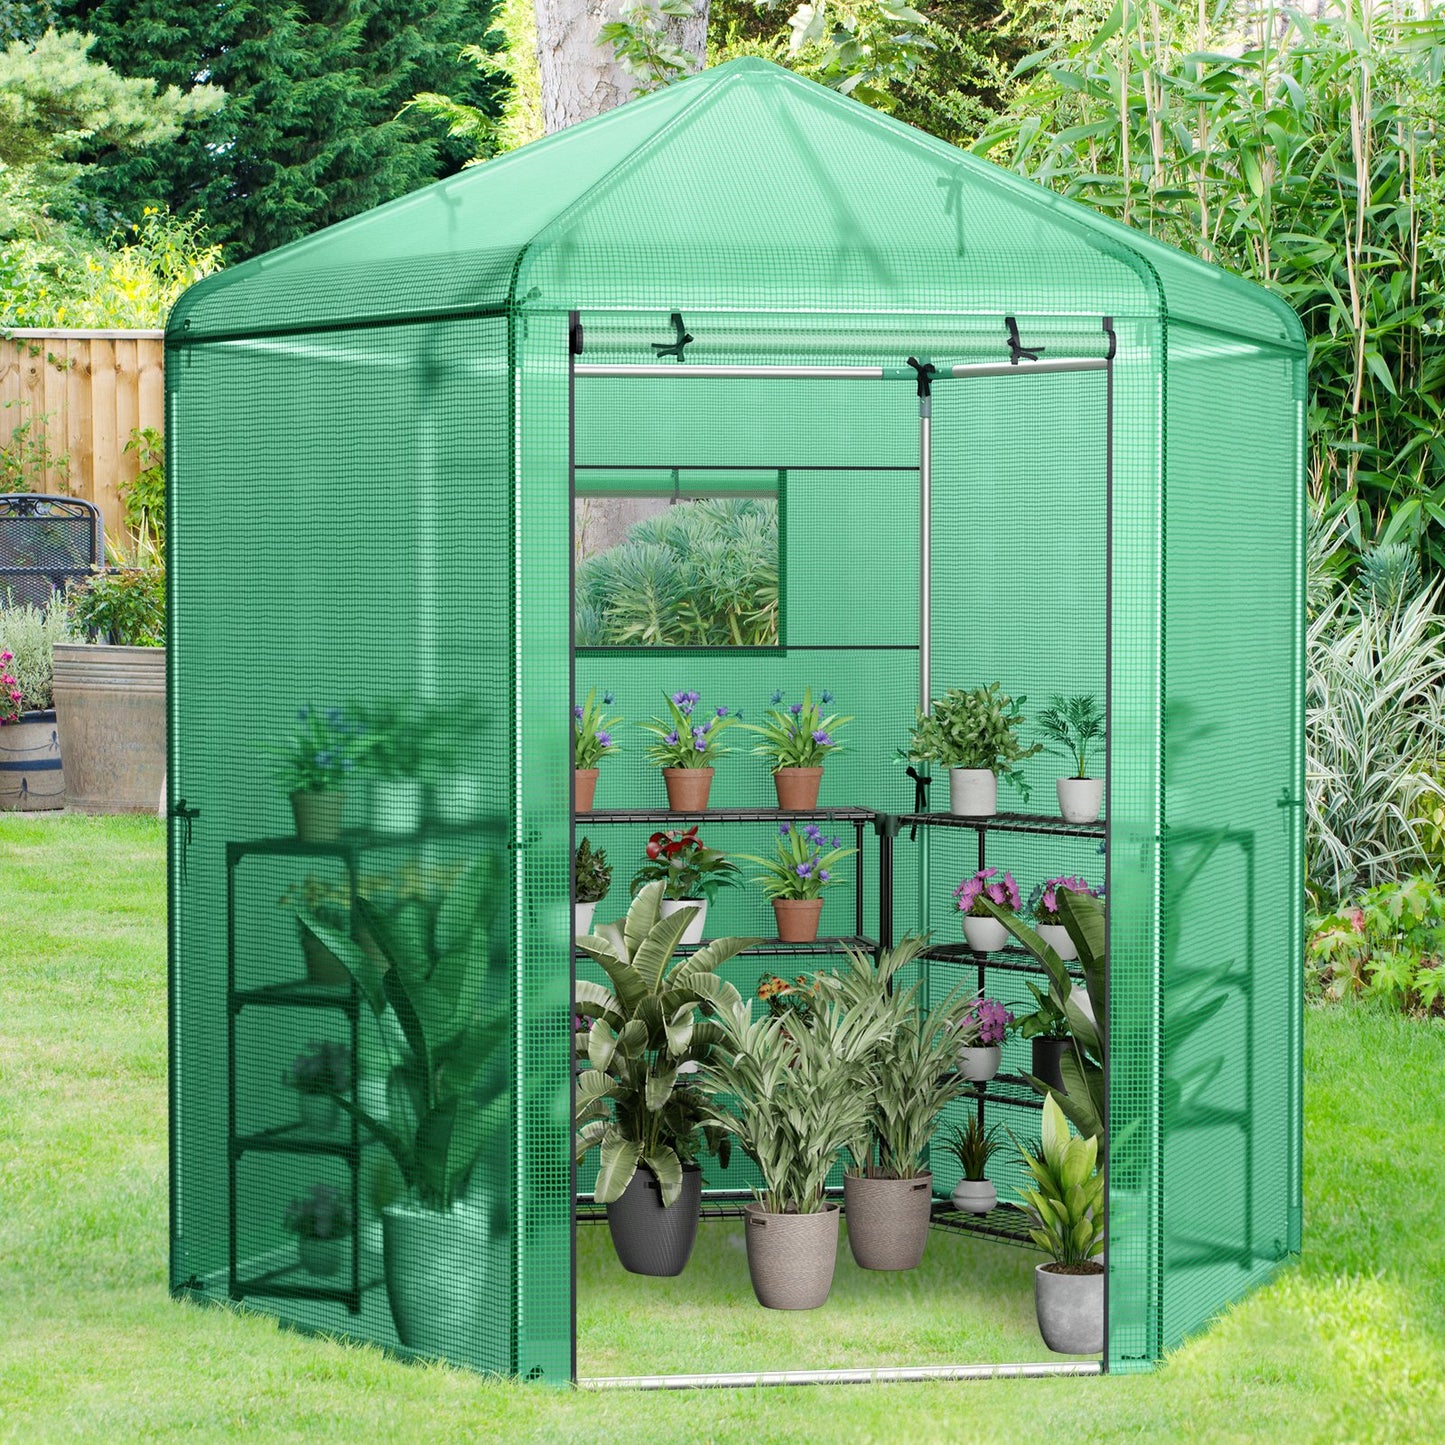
1044	900
690	736
799	735
986	884
592	732
985	1023
804	862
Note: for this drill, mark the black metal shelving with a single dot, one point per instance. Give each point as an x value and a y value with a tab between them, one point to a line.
1006	1222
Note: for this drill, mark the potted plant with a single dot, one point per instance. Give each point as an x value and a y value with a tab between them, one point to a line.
686	750
973	1146
460	775
796	740
979	1038
319	1076
1047	1029
447	1102
316	769
32	778
1076	724
320	1220
985	934
398	745
110	691
974	734
1066	1211
591	742
792	1089
911	1079
1048	919
593	874
641	1042
691	874
803	864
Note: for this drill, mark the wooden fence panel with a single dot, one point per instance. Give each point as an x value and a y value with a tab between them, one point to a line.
85	392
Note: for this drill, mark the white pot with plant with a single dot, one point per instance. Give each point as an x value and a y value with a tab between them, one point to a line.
593	737
974	734
797	740
691	874
1066	1214
458	767
32	778
912	1078
979	1038
321	1222
593	875
984	932
319	1077
319	766
397	755
1044	909
973	1146
1076	726
643	1039
804	864
793	1088
686	749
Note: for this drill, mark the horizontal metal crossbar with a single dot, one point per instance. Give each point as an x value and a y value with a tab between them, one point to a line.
893	1375
964	371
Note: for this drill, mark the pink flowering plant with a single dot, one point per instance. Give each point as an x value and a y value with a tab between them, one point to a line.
687	738
1044	900
592	731
986	884
985	1023
799	735
803	864
9	690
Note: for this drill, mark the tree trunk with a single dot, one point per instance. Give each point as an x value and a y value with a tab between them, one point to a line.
580	76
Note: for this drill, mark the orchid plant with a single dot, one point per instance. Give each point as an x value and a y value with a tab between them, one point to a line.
685	865
684	742
984	1024
986	884
799	735
592	738
803	862
1044	900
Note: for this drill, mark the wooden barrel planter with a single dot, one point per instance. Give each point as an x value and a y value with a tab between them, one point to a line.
31	777
111	707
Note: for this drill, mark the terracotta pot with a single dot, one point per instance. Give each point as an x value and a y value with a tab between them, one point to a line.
888	1219
318	815
797	788
31	777
584	789
797	918
687	788
791	1257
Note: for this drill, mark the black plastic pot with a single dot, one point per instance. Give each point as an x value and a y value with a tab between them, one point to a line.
1048	1055
651	1239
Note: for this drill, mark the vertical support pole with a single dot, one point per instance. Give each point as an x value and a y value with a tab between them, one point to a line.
1108	326
925	549
231	1076
575	342
353	1018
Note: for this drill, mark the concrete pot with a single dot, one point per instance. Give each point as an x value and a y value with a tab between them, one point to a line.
650	1237
791	1257
436	1268
110	708
1070	1309
320	1256
984	935
974	1196
584	789
972	792
32	779
797	788
980	1062
1080	799
687	788
888	1219
797	918
692	934
1057	938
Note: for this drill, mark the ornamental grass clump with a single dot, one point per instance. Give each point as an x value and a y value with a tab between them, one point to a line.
973	1146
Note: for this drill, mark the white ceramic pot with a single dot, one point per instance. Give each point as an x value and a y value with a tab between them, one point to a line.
582	918
692	934
972	792
974	1196
1080	799
984	935
397	805
320	1256
1057	938
457	800
980	1063
1085	1004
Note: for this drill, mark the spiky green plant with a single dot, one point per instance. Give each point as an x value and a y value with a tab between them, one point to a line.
1066	1204
1075	725
973	1146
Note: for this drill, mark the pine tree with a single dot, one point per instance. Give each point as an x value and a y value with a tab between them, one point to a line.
316	125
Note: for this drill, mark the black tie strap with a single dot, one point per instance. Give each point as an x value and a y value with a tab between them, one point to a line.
925	371
1016	347
675	346
920	797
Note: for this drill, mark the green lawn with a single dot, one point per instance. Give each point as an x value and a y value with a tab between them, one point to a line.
1348	1347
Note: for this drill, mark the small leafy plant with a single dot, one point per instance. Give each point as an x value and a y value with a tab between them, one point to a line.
986	885
685	865
973	729
1076	726
593	872
1044	904
799	735
973	1146
27	642
983	1024
803	864
321	1213
396	739
324	1068
683	742
1066	1204
1047	1021
324	751
125	606
592	732
1388	944
144	498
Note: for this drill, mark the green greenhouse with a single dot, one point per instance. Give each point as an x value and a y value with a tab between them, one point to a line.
744	393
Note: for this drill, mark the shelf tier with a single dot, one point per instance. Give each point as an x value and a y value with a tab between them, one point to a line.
1010	1089
725	815
1005	1222
300	994
1005	823
284	1284
1013	959
349	845
778	948
289	1139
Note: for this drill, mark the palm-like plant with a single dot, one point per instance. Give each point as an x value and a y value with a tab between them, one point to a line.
1066	1203
637	1099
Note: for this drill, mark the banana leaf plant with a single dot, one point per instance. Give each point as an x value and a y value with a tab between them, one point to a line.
644	1039
447	1093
